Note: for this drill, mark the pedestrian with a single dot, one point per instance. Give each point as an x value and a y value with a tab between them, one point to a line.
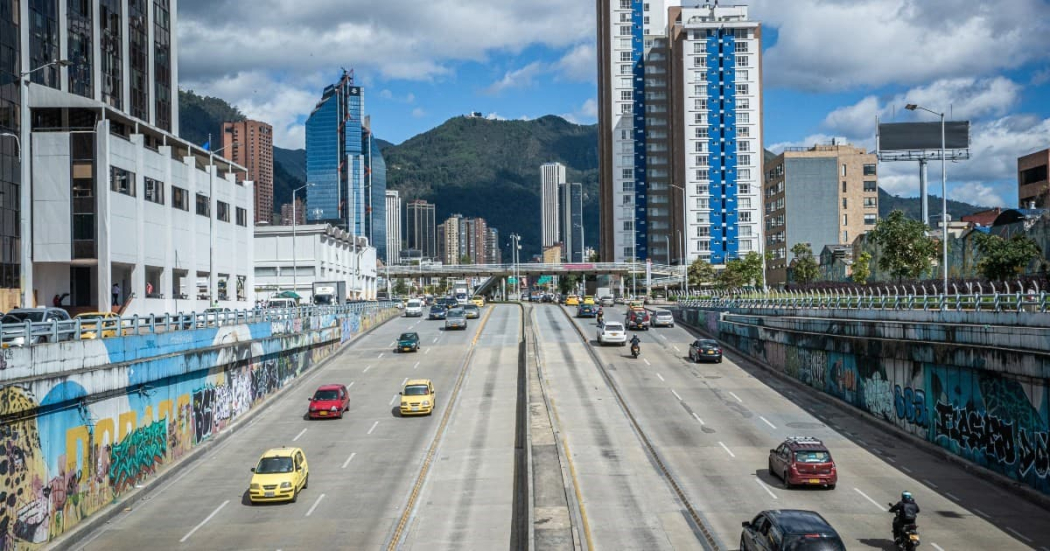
116	294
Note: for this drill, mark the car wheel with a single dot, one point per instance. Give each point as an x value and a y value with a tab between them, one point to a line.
295	496
831	486
306	483
719	360
787	483
743	546
672	326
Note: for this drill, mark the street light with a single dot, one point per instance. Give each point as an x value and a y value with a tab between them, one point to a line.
514	258
944	195
684	257
25	268
295	259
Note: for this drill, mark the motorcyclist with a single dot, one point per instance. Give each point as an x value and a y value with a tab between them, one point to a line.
906	510
601	316
636	343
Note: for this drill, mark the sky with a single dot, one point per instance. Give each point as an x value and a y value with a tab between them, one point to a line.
830	68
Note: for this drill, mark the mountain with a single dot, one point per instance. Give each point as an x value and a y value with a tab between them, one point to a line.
912	207
200	116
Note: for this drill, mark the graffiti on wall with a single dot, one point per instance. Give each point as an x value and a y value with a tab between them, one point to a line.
137	455
910	405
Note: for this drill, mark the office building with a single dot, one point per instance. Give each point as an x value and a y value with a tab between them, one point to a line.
250	144
680	136
375	211
1033	184
571	201
316	252
298	210
493	254
552	175
421	228
821	195
393	227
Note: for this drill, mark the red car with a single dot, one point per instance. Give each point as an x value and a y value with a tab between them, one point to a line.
803	461
329	401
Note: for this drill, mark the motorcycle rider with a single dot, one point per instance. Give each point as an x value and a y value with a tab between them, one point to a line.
601	315
636	344
906	510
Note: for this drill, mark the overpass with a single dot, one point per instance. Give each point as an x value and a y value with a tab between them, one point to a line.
663	275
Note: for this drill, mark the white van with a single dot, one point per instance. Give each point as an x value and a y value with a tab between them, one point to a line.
281	303
414	309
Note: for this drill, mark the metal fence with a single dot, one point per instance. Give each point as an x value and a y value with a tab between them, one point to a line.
1018	301
35	333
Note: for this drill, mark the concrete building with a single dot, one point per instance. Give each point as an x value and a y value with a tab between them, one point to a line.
821	195
250	144
493	254
552	177
571	214
393	227
287	211
322	252
1033	184
448	240
421	228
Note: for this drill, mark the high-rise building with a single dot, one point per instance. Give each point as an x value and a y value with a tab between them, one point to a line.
448	240
571	201
493	255
250	144
1033	183
298	210
393	227
552	175
820	195
421	228
473	239
679	131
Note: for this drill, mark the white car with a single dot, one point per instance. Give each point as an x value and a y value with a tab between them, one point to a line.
612	332
414	309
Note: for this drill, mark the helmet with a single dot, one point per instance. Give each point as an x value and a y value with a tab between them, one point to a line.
906	495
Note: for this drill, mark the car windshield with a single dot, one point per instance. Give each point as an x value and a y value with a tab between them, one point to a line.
407	336
708	344
273	465
812	456
413	304
416	390
21	317
613	327
811	543
326	395
436	308
455	313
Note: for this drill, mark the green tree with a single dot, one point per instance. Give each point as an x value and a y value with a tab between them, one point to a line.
905	251
701	272
1005	258
804	267
594	257
862	268
732	277
400	288
567	283
465	259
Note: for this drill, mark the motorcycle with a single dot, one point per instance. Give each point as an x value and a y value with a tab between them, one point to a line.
600	318
635	351
908	539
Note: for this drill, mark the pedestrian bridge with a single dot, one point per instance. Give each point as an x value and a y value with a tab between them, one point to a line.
659	271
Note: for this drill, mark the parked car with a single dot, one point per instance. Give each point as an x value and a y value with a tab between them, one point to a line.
14	330
618	300
99	325
663	318
329	401
279	476
407	342
418	397
456	319
612	333
438	312
637	319
789	530
705	350
803	461
414	308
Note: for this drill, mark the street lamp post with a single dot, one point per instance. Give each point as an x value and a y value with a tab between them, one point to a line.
514	258
944	195
295	259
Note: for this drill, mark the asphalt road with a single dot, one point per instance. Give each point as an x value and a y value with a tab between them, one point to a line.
713	425
362	467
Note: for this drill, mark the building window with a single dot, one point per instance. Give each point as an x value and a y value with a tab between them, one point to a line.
625	108
869	219
701	160
625	56
869	170
703	231
701	132
703	174
626	95
843	186
845	219
628	186
843	169
203	205
741	75
741	60
744	174
869	186
222	211
154	190
741	47
627	199
741	89
844	203
111	50
744	160
745	202
744	131
702	189
628	225
703	203
871	202
122	181
701	147
242	217
743	103
625	69
743	118
627	173
845	237
179	198
625	30
745	189
745	245
744	146
138	50
745	231
745	216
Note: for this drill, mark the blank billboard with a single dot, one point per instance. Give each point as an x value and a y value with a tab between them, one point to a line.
911	136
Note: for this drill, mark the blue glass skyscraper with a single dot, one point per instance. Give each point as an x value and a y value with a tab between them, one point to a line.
335	160
375	185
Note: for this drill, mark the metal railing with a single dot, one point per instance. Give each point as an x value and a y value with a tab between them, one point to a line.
889	298
34	333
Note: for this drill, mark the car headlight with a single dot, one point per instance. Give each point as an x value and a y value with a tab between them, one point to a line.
333	408
286	485
426	402
255	486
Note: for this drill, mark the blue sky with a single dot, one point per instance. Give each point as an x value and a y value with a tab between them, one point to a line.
830	67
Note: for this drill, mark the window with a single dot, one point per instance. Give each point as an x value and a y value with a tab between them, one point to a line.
845	237
625	56
745	216
699	47
744	174
743	118
242	217
701	160
625	160
703	203
744	146
703	174
625	4
745	202
844	203
870	186
154	190
745	231
703	246
702	189
869	170
179	198
744	160
625	69
745	245
703	231
741	60
203	205
743	103
741	75
701	132
223	211
627	199
625	30
845	219
701	104
646	20
625	108
744	131
843	170
745	189
870	202
741	47
628	225
626	95
628	186
843	186
869	219
741	89
122	181
701	147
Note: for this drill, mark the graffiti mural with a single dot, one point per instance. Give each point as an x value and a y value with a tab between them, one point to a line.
910	405
137	455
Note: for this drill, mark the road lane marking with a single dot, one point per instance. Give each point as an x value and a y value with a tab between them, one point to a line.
381	354
348	460
367	368
427	351
949	494
374	425
867	497
349	386
663	337
661	377
203	522
394	399
392	343
676	349
316	503
766	488
405	381
937	547
436	339
891	460
766	421
297	436
1020	535
698	418
646	360
731	393
928	483
980	512
676	395
731	454
415	366
906	469
861	442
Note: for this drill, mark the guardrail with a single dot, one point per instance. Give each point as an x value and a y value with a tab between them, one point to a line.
997	302
36	333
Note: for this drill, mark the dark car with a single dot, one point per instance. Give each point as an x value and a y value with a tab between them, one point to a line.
789	530
587	311
408	342
803	461
329	401
637	318
438	312
705	350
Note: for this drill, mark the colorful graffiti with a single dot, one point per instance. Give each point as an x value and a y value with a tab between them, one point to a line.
137	455
910	405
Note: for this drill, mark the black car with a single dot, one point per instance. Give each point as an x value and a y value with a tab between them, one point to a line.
438	312
408	342
705	350
789	530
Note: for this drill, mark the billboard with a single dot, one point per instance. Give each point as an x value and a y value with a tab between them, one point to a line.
912	136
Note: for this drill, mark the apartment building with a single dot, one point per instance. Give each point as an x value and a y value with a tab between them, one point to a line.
1033	185
250	144
552	176
393	227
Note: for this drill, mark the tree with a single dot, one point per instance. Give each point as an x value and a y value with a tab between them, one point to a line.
905	251
862	268
567	283
1001	258
701	272
400	288
804	267
741	272
465	259
595	257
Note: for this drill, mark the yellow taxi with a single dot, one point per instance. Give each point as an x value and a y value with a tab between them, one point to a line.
588	300
572	300
279	476
418	397
90	322
478	301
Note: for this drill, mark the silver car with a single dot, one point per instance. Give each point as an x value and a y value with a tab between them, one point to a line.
662	319
456	319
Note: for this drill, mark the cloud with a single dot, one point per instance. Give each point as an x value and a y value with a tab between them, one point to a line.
1041	76
977	193
418	113
584	114
518	78
832	45
495	117
580	64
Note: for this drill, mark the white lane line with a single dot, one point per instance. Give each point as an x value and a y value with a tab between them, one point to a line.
928	483
405	381
891	460
698	418
373	427
861	442
348	460
951	495
731	393
436	339
297	436
663	337
381	354
676	349
392	343
937	547
427	351
203	522
415	366
766	421
646	361
1020	535
766	488
661	377
316	503
676	395
731	454
980	512
366	369
349	386
906	469
394	399
867	497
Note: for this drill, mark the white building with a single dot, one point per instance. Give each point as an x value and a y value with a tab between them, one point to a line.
393	227
318	252
552	175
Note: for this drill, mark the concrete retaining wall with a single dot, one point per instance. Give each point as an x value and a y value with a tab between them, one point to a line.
981	392
83	422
